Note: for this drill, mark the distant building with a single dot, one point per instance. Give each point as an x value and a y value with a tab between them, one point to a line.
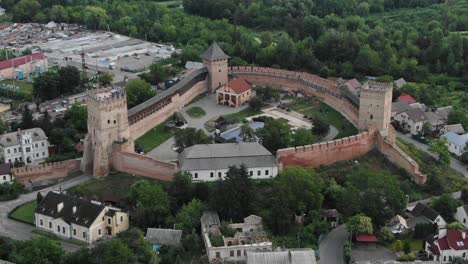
455	128
457	144
250	237
5	173
398	225
74	218
21	67
235	93
462	215
412	119
406	97
209	162
287	256
449	245
158	237
400	83
29	146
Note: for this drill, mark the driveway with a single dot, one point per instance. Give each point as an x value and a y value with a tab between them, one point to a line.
332	246
454	164
20	231
371	254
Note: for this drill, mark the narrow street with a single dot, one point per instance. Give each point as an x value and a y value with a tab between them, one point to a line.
332	246
21	231
454	164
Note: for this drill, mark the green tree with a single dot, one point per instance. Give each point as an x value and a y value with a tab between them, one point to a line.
464	195
105	79
455	225
38	250
188	218
406	246
360	224
138	91
135	241
459	260
398	246
149	195
446	206
190	136
302	137
76	117
275	134
439	147
234	195
247	133
427	128
463	157
319	127
69	79
256	103
113	251
385	234
95	17
58	13
27	118
25	10
3	126
180	190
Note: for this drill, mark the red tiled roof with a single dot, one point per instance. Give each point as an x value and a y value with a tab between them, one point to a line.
408	98
435	250
239	85
452	241
353	84
366	238
15	62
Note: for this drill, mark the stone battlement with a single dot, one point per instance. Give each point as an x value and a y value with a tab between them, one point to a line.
106	95
52	170
380	87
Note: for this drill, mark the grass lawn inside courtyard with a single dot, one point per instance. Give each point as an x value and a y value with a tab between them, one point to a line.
243	114
196	112
153	138
25	213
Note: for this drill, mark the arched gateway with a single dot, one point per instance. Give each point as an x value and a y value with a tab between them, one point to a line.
111	129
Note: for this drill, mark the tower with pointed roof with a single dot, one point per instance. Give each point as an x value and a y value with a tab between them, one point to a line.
216	61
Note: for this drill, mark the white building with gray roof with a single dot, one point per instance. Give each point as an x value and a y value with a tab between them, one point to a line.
29	146
209	162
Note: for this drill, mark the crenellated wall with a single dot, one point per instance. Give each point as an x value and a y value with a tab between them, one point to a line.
143	165
158	113
328	152
308	84
46	171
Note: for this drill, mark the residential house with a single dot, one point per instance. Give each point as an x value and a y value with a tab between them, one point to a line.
235	93
437	122
411	119
287	256
21	67
422	214
449	245
462	215
401	106
398	225
250	236
457	144
29	146
399	83
5	173
209	162
74	218
160	236
444	112
455	128
406	97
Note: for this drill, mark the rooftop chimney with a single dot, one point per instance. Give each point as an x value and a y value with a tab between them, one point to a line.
59	207
464	234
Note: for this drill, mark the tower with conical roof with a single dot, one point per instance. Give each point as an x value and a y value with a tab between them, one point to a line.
216	61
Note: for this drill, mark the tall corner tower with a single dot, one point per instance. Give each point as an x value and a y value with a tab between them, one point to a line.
107	125
216	61
375	106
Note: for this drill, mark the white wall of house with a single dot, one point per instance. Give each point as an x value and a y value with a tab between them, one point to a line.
213	175
413	127
6	178
461	216
456	149
29	151
446	256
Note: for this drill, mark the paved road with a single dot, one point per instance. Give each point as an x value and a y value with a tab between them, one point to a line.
332	246
21	231
454	164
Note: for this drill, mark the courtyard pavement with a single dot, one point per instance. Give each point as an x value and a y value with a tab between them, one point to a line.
371	254
21	231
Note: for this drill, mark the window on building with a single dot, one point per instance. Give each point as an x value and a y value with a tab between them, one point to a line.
371	117
74	231
28	149
63	229
8	150
121	218
211	174
108	221
58	228
84	234
41	222
259	172
9	160
50	225
251	173
43	153
231	253
99	231
219	174
4	178
267	172
239	253
36	145
115	121
14	150
218	254
108	121
43	144
195	175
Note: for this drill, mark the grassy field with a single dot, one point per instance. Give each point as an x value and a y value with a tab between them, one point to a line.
154	137
24	87
196	112
242	114
328	114
25	213
441	178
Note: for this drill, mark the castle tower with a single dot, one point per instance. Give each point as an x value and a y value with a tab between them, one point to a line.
216	61
107	125
375	106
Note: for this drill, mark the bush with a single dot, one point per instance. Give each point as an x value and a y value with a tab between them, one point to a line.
398	246
407	247
385	234
226	230
347	252
10	191
407	257
217	241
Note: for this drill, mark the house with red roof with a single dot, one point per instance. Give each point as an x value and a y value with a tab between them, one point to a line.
21	67
406	97
449	245
235	93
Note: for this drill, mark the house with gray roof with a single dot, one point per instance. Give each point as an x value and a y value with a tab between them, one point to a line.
457	144
412	119
422	214
160	236
74	218
400	83
288	256
29	146
455	128
209	162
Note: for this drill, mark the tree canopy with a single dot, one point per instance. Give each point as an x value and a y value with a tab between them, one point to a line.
138	91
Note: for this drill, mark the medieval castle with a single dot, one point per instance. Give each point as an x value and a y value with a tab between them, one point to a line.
112	129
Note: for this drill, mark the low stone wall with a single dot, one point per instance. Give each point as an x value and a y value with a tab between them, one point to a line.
326	153
143	165
46	171
155	118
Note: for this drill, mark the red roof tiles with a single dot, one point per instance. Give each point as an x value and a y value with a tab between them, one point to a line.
15	62
454	240
408	98
239	86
